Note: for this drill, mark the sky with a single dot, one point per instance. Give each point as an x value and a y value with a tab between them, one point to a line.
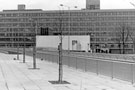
54	4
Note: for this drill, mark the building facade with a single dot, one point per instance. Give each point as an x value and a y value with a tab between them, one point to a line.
104	27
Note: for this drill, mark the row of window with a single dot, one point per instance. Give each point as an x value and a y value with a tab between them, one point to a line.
67	13
65	22
74	24
16	39
15	44
127	45
88	18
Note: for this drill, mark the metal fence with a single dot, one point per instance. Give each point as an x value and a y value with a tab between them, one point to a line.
111	67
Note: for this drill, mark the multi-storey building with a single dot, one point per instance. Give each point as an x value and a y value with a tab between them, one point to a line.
17	28
101	25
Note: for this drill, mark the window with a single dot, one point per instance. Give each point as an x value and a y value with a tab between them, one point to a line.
112	45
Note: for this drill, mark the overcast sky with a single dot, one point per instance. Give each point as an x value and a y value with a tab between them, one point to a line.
53	4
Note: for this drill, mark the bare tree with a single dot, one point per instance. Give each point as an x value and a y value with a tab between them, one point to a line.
131	35
122	36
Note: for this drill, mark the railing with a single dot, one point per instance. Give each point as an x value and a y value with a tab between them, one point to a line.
115	66
118	68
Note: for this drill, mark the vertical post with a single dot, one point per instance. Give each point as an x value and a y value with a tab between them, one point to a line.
132	73
69	32
34	56
60	63
85	65
24	47
34	47
112	70
69	61
76	62
18	51
69	21
97	67
18	45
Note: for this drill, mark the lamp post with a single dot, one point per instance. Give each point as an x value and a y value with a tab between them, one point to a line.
60	81
69	21
60	47
18	51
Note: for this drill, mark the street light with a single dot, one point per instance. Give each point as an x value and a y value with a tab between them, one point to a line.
69	21
60	46
60	81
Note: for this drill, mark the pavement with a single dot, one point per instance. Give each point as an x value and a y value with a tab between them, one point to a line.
15	75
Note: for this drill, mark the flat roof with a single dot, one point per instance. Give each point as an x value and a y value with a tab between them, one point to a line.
23	10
